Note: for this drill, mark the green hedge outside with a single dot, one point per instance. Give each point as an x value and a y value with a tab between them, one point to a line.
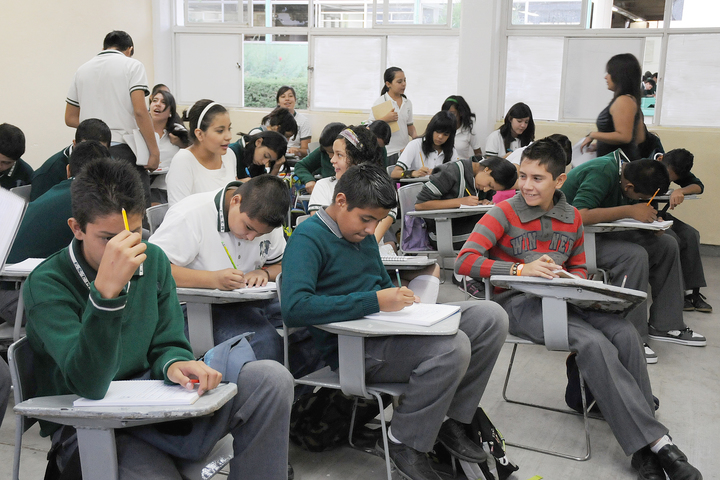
261	93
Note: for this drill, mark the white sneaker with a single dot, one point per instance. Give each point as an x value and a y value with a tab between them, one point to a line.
650	355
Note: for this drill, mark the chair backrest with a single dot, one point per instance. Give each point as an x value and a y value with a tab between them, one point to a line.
407	195
301	219
312	146
390	169
20	360
155	216
23	192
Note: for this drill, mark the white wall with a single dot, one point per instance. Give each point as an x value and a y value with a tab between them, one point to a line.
43	44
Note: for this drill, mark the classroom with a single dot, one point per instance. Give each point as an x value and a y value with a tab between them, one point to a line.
492	52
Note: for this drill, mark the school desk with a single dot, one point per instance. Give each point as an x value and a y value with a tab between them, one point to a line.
443	224
414	179
18	276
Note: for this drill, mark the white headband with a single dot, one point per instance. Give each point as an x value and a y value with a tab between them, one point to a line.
205	110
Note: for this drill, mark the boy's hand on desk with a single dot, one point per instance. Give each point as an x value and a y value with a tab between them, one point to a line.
181	372
257	278
421	172
122	256
543	267
471	201
676	198
394	299
643	213
229	279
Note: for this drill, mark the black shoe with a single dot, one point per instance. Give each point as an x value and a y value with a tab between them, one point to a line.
647	465
291	472
697	300
452	436
410	463
676	465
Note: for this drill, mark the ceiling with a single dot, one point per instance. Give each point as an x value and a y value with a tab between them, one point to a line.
650	10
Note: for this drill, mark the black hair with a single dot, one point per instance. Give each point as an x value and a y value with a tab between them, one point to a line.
680	160
501	170
12	141
647	176
281	117
367	186
174	123
625	72
566	145
330	132
388	77
381	130
466	116
273	140
158	88
519	110
367	149
441	122
548	153
193	115
265	198
93	129
119	40
282	90
652	82
104	187
85	152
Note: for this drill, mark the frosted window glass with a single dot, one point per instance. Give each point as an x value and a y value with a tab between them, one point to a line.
690	87
533	74
430	64
695	13
206	66
348	72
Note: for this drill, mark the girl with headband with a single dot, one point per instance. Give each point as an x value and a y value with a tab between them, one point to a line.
208	163
467	143
435	147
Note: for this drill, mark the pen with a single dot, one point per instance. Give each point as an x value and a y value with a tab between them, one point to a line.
127	227
651	198
624	280
247	170
229	256
397	273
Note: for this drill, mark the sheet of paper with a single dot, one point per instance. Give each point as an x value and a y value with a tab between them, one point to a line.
137	144
578	157
656	225
138	393
270	287
26	266
423	314
566	274
11	214
383	109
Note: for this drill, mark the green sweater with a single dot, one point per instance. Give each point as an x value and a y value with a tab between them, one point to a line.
52	172
317	162
328	279
596	183
82	342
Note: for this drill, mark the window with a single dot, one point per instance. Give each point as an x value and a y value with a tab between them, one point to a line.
271	61
695	14
216	11
412	12
546	12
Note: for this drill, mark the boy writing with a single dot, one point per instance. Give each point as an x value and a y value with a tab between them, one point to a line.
609	352
334	273
105	308
243	218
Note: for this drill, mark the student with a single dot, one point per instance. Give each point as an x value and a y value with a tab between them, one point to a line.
14	172
318	162
279	120
446	375
394	92
243	218
518	130
609	352
54	170
435	147
383	132
467	142
208	163
258	152
679	163
173	136
298	145
608	188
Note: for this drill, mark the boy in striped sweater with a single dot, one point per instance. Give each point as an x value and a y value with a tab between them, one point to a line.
538	233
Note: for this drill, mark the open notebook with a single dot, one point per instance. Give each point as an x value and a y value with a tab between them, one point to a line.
141	393
270	287
11	214
422	314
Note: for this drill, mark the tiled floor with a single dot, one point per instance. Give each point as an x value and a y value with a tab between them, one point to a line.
687	381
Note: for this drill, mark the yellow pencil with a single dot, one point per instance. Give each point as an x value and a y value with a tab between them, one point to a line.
127	227
468	192
653	197
421	160
229	256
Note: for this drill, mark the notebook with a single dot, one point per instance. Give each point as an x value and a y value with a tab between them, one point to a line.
422	314
24	267
141	393
11	214
270	287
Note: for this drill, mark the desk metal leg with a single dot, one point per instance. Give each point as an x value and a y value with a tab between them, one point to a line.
555	324
443	230
590	252
19	314
200	327
98	455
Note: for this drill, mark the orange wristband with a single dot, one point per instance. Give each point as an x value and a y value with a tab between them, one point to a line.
519	269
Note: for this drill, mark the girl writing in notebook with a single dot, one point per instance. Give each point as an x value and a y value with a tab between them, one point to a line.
435	147
394	92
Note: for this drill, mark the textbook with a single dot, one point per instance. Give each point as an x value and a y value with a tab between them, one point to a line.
141	393
11	214
422	314
383	109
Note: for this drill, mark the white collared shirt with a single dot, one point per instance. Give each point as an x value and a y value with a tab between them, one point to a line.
187	176
399	139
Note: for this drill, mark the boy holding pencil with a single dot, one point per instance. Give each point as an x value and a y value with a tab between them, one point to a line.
227	239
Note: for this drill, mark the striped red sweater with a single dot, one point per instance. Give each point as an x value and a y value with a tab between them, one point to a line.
512	232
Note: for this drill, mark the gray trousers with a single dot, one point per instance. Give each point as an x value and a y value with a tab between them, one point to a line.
4	388
688	240
8	306
611	359
258	418
447	374
646	258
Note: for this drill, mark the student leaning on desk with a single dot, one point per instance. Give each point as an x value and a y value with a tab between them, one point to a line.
105	308
536	234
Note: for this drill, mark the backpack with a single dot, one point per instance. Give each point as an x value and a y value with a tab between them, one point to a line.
415	235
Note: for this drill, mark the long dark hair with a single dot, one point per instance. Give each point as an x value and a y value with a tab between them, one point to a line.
273	140
625	72
282	118
519	110
193	115
441	122
388	77
367	148
466	116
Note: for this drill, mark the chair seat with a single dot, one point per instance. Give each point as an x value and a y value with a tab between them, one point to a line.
520	341
327	378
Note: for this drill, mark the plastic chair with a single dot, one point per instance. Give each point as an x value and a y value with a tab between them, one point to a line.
20	360
22	192
155	216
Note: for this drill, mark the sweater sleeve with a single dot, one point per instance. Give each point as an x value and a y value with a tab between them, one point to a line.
690	179
441	186
474	256
592	190
576	261
305	169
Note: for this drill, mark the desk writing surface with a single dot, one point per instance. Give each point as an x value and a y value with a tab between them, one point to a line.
627	224
374	328
407	261
207	295
426	178
451	212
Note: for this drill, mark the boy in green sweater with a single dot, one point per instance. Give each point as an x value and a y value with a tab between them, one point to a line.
333	273
105	308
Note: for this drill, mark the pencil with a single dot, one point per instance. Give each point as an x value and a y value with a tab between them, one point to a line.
229	256
397	273
468	192
127	227
421	160
653	197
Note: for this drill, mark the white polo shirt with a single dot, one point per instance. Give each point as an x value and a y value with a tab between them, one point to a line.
399	139
188	176
304	130
323	195
496	146
410	159
194	230
167	153
466	142
101	89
